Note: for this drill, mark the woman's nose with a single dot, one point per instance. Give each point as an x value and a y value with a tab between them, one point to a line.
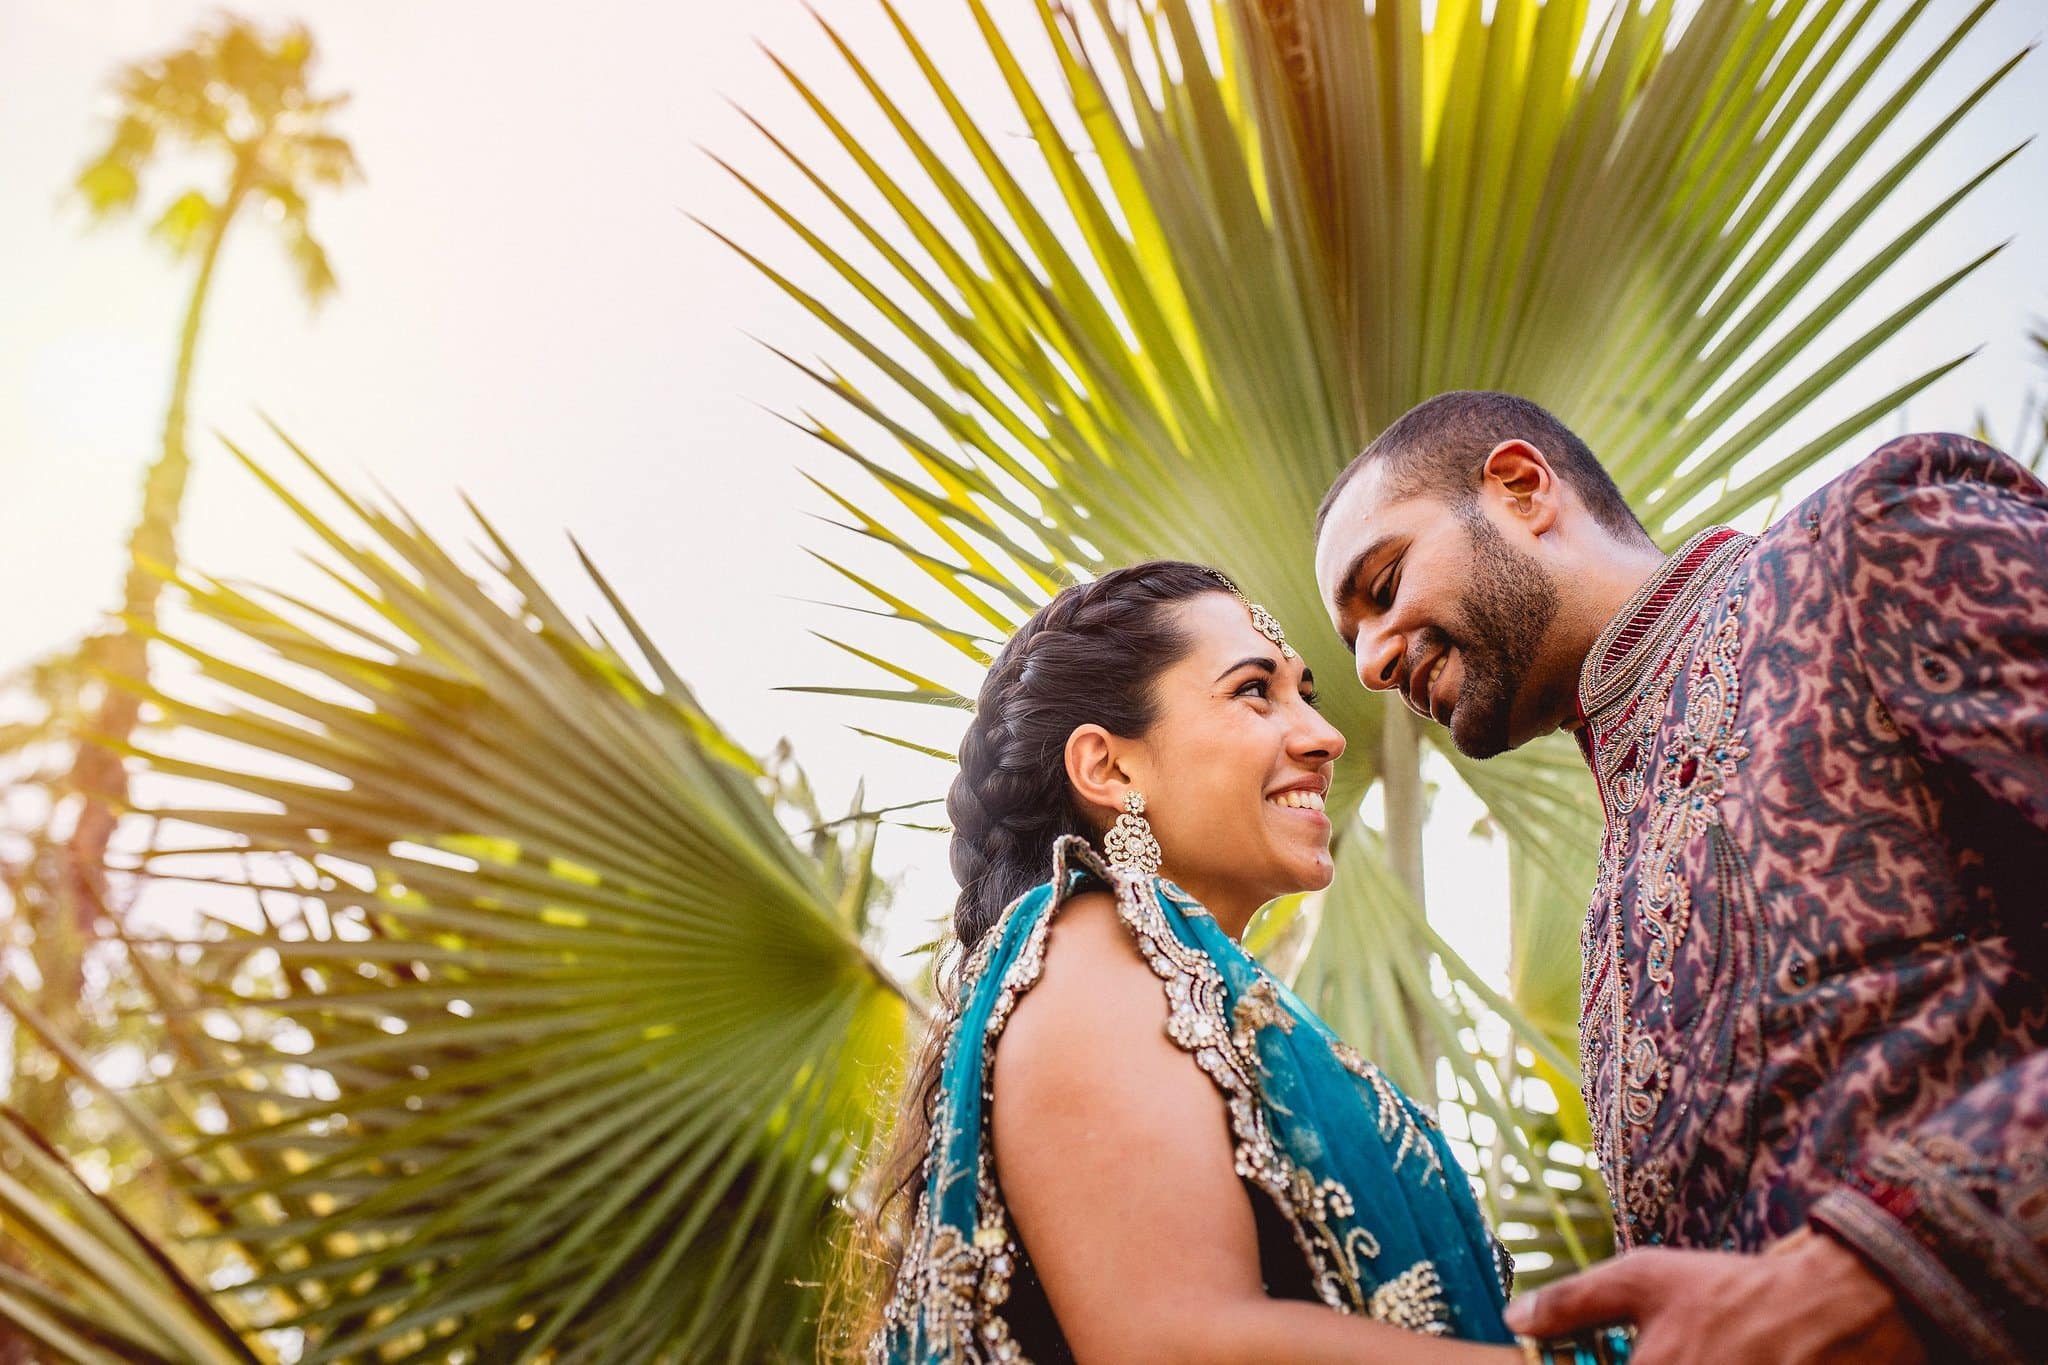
1319	739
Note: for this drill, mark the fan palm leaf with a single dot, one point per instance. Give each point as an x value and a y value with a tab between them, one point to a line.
1241	238
551	1041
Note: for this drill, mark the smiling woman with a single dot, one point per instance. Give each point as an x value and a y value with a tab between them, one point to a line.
1112	1074
1233	769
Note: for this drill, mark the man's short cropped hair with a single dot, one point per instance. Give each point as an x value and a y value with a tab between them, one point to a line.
1439	448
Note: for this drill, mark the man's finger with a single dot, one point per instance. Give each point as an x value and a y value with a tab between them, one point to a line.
1613	1291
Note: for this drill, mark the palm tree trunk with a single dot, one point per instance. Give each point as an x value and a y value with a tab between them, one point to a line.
97	774
1406	810
1401	770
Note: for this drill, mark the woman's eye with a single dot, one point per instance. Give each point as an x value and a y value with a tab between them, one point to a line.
1314	699
1257	687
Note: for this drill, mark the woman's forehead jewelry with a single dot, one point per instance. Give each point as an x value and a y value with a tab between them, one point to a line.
1263	621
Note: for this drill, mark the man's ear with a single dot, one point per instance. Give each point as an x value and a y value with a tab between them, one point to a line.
1519	476
1095	761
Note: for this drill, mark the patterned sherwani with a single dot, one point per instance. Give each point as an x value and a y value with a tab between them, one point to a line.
1816	984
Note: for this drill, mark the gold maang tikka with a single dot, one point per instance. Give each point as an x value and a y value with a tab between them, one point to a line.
1263	621
1129	843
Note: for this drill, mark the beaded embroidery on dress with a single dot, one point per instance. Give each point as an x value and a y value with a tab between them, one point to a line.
1383	1218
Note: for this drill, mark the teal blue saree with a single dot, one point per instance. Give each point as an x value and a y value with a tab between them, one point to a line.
1379	1211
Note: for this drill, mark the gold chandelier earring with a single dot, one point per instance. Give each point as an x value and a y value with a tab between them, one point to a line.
1130	844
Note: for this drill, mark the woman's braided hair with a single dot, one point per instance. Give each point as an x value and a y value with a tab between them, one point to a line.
1090	656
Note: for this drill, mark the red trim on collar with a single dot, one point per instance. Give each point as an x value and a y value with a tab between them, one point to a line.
1676	574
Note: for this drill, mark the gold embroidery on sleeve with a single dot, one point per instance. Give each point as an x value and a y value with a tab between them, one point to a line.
1413	1299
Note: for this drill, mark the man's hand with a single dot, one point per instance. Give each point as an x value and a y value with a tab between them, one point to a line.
1807	1301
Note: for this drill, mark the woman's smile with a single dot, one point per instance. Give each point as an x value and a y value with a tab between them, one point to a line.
1302	801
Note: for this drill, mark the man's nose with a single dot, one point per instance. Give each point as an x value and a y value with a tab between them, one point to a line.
1379	660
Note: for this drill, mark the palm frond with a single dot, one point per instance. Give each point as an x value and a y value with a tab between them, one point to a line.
549	1039
101	1292
240	95
1385	980
1240	239
1232	251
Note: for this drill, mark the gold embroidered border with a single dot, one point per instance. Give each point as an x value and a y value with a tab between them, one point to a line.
954	1288
1198	1023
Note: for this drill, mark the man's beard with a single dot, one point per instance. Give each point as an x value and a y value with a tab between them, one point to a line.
1506	611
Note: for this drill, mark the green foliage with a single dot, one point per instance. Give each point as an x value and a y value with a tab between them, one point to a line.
1239	239
543	1035
105	1294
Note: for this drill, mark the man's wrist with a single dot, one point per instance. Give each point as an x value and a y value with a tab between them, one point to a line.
1870	1300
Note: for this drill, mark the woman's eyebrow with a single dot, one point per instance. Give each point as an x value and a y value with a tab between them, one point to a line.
1252	661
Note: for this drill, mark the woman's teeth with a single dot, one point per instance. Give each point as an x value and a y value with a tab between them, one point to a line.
1298	800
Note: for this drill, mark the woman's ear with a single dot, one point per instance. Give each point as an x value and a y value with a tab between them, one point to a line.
1096	770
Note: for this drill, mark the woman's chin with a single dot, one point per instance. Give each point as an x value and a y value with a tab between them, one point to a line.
1310	874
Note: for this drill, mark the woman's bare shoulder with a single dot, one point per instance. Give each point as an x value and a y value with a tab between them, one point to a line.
1112	1146
1097	1013
1092	963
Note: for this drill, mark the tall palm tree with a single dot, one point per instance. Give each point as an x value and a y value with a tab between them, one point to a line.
240	100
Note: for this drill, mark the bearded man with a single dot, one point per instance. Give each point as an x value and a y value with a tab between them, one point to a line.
1815	990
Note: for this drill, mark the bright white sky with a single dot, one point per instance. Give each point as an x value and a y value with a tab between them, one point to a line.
527	314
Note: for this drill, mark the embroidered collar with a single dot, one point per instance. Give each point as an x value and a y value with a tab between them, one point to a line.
1642	632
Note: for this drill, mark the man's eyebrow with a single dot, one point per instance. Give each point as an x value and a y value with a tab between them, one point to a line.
1352	571
1349	588
1250	661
